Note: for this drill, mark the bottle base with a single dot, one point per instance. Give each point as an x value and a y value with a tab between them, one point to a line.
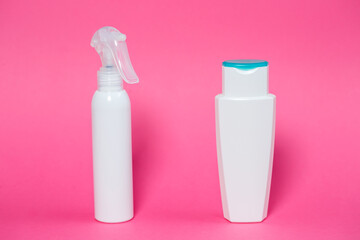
245	221
113	221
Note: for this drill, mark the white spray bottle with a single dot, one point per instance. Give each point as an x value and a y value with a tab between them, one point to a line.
111	129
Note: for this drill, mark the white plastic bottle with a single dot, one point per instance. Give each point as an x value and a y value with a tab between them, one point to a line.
111	129
245	124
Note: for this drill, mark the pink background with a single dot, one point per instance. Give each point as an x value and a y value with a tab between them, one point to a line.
48	77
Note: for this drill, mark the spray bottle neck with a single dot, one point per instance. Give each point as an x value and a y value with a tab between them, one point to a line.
109	79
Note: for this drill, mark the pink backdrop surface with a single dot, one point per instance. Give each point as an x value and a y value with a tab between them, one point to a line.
48	77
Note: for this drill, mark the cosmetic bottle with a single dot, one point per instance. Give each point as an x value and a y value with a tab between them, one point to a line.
111	129
245	124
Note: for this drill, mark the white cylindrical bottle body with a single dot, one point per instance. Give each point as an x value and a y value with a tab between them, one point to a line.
112	156
245	143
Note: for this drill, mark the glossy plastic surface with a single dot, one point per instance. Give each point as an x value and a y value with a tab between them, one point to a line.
112	156
245	143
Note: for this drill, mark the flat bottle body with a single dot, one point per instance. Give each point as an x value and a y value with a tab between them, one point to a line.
112	156
245	144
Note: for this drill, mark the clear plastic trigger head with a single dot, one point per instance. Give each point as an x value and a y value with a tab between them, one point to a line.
111	46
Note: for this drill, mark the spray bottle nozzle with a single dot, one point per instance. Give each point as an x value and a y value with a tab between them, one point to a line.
111	46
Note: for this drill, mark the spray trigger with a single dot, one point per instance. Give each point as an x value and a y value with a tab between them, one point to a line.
111	46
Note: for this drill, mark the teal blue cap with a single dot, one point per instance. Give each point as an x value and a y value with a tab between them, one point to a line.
245	64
